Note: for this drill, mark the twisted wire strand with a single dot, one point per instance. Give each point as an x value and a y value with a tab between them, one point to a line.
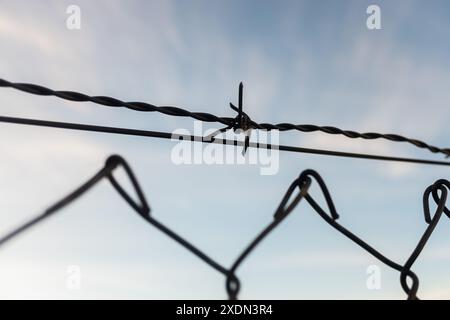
207	117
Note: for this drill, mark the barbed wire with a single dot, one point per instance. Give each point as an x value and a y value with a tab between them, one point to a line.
241	121
437	191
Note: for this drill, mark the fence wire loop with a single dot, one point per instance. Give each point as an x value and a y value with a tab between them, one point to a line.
436	197
114	161
283	209
329	201
432	223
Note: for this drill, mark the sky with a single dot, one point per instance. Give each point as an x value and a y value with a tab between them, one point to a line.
312	62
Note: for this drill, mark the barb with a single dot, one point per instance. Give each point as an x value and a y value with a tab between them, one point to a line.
242	122
207	117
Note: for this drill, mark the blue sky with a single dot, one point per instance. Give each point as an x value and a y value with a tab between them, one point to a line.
302	62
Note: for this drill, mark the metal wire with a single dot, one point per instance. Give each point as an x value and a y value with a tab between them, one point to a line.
302	185
209	139
438	191
241	121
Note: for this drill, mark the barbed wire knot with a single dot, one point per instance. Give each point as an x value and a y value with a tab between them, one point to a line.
241	123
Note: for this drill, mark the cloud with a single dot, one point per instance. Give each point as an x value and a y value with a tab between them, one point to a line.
321	258
31	35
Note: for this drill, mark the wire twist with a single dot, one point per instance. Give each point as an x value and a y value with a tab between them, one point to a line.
207	117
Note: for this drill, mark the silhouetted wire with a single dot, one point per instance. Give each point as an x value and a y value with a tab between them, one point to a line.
242	120
331	218
209	139
303	183
440	185
142	209
241	123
